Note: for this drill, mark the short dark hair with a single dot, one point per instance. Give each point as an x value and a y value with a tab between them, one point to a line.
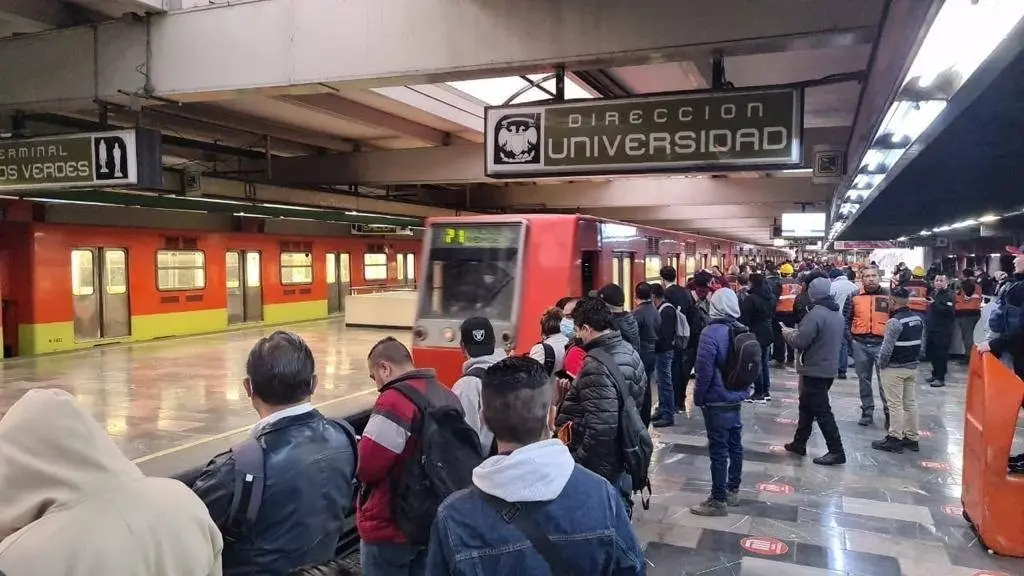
668	274
643	291
812	276
280	369
563	301
657	291
850	274
390	350
551	322
756	280
594	313
515	396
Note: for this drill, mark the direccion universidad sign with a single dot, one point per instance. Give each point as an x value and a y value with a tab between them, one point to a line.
677	132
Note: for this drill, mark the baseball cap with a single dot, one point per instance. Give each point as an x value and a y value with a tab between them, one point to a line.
612	295
1016	250
477	336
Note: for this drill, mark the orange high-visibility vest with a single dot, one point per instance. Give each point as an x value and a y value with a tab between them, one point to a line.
870	315
787	300
918	297
968	303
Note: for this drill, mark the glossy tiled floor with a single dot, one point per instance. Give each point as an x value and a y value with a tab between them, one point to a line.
156	396
879	515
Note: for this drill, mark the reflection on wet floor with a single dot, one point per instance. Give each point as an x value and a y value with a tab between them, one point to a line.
155	396
881	514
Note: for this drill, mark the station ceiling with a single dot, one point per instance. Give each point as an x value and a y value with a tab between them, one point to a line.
422	142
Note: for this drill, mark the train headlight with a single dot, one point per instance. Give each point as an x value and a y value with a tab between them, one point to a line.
419	333
448	334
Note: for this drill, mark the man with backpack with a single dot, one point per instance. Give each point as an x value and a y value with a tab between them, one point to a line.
728	362
415	451
531	509
614	297
672	334
610	381
478	344
550	351
258	493
680	297
1006	323
648	322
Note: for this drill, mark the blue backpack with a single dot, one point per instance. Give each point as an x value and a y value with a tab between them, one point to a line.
1006	319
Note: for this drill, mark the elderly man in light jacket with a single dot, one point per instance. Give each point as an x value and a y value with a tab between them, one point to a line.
72	504
842	289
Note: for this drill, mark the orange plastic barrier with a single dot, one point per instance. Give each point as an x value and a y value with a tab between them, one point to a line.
993	499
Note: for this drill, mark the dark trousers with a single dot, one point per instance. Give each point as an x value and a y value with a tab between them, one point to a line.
815	407
666	387
725	445
681	369
781	351
844	357
645	411
762	386
938	353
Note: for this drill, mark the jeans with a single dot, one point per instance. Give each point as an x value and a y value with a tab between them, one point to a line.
938	354
762	386
725	444
781	351
844	357
648	359
864	358
900	385
683	367
815	407
386	559
666	387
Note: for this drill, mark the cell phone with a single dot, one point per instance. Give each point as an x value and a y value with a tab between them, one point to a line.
564	374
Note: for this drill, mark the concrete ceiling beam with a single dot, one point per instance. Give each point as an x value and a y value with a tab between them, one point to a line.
717	211
36	15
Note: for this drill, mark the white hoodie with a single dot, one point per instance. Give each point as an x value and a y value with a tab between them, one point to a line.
72	504
468	389
534	473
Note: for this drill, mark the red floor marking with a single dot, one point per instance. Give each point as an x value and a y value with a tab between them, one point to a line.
933	465
764	546
790	400
786	420
776	449
953	509
774	488
924	433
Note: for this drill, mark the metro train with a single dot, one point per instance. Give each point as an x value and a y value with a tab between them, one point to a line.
67	286
510	268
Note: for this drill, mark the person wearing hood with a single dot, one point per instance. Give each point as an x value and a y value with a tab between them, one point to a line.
533	480
757	313
478	343
720	406
72	504
842	289
613	297
816	338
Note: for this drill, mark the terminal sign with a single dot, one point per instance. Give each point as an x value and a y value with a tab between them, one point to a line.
708	131
95	159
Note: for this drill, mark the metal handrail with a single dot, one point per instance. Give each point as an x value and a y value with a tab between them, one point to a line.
379	288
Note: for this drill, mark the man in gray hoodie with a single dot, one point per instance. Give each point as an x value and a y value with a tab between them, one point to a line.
478	344
816	339
842	290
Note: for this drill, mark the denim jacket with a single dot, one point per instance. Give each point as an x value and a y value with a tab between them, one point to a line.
578	510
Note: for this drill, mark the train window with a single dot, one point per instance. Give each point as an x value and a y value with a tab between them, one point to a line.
401	266
332	268
652	268
231	262
180	270
471	271
252	269
375	266
296	268
115	264
343	264
82	273
410	267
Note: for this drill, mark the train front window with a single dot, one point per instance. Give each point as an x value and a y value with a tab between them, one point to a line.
472	272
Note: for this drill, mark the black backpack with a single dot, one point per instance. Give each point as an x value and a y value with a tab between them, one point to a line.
701	318
634	439
447	451
743	364
549	358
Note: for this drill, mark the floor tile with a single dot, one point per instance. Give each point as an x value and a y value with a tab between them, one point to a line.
764	567
887	510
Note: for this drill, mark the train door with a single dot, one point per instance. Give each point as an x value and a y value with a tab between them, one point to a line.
673	261
245	286
588	271
622	274
407	268
99	289
338	281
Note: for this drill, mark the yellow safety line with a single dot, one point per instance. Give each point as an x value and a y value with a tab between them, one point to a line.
201	441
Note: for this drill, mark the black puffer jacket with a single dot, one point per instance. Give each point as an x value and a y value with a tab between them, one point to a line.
627	326
592	405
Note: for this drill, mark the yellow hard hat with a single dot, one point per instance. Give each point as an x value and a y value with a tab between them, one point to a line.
918	271
786	269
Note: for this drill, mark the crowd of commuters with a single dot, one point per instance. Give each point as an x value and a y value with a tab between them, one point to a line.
528	464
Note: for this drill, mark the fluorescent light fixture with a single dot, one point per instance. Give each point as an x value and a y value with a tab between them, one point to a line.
797	171
965	223
495	91
901	239
79	202
613	230
286	206
247	215
354	213
988	218
925	233
803	224
217	200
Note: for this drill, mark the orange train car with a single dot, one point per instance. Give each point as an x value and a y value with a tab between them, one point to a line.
67	287
510	268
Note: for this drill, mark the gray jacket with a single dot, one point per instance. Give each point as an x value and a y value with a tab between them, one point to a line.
467	389
818	338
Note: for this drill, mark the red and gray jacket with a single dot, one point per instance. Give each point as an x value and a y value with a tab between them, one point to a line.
387	443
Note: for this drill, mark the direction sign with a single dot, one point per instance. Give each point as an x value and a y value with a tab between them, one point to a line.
99	159
664	133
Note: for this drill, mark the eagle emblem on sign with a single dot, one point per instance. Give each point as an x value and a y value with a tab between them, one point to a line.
518	139
478	335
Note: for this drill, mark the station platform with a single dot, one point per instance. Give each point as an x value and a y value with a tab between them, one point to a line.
161	399
880	514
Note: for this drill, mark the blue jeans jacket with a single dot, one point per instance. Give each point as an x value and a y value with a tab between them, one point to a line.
587	523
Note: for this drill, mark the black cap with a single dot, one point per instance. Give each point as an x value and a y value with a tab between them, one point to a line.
902	293
612	295
477	336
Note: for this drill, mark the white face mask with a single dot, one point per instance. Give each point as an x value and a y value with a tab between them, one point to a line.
567	327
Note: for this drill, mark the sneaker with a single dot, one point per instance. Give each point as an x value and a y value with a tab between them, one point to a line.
938	384
767	397
798	449
664	423
1018	459
733	498
841	376
710	507
866	419
912	445
890	444
931	379
755	398
831	459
